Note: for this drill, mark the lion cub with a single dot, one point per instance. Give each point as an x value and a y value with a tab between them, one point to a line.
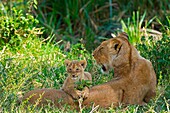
75	70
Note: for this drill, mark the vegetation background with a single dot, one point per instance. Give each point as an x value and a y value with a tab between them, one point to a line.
36	36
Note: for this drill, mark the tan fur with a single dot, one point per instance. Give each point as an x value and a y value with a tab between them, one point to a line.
75	71
45	96
134	80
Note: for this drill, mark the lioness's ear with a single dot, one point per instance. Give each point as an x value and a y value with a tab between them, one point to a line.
113	35
115	44
67	62
83	63
124	34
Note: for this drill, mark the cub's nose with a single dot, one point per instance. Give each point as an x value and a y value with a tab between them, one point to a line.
73	76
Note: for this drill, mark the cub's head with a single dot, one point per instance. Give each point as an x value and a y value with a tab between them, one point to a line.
111	50
75	69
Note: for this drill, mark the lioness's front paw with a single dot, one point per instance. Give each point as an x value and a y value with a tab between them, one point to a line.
85	92
77	94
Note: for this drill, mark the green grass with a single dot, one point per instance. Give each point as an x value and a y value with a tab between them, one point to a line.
36	64
31	60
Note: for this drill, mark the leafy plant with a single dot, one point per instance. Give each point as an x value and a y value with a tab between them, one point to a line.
15	27
83	83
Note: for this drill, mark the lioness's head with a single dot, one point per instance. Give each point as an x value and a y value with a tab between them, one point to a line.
111	50
75	69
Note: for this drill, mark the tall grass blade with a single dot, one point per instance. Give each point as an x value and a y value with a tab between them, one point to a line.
150	21
142	19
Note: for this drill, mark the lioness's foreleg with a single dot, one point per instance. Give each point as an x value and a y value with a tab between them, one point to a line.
72	92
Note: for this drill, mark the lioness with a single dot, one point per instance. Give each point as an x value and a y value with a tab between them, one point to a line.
134	80
134	76
76	73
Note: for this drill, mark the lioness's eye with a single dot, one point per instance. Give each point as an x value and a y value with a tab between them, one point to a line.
101	49
77	69
70	69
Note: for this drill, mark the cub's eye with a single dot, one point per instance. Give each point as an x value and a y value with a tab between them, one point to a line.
77	69
70	69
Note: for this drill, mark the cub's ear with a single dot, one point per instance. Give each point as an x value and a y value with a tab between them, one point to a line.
83	63
124	34
67	62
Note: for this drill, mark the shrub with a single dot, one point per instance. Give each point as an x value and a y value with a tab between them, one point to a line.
15	27
158	52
